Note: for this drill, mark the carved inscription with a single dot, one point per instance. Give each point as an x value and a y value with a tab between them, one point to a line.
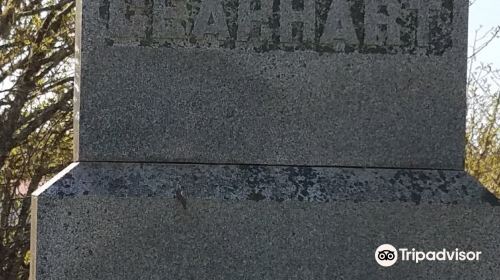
422	27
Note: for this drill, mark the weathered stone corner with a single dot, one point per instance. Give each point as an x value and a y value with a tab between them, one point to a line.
124	221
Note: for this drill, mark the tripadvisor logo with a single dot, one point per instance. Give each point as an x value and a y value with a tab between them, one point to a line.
387	255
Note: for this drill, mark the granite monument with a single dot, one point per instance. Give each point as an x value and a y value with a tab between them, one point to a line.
266	139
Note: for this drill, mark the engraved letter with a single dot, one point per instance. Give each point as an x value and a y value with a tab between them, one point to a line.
425	8
168	19
211	20
253	20
297	21
381	27
132	19
339	25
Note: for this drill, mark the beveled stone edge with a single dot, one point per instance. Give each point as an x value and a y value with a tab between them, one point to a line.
266	183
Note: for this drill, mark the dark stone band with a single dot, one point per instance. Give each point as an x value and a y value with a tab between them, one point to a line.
274	183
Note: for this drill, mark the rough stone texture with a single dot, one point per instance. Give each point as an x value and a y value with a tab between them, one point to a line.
256	82
122	221
281	86
274	183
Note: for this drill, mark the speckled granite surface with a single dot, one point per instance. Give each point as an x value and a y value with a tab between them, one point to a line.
361	83
273	183
279	86
123	221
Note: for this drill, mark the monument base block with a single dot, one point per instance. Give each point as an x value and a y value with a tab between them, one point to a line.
192	221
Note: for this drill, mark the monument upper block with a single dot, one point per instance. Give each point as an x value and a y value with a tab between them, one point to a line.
362	26
367	83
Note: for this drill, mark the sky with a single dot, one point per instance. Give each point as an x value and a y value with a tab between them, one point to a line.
485	13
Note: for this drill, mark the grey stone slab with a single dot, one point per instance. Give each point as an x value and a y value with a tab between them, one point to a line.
123	221
270	183
339	83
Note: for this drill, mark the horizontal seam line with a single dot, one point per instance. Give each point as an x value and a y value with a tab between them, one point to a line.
268	165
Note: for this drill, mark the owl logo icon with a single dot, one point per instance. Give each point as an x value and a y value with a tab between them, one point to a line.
386	255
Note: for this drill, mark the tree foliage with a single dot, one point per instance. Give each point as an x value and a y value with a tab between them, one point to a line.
483	119
36	88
